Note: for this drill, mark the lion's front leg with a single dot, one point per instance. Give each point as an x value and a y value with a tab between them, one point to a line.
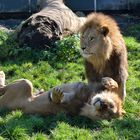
122	90
106	83
57	95
65	93
109	84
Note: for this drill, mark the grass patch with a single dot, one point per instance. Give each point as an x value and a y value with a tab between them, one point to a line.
48	68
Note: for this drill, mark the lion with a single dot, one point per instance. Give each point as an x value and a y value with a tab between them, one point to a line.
75	99
104	51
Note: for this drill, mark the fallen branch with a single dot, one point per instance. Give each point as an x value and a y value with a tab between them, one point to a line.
52	23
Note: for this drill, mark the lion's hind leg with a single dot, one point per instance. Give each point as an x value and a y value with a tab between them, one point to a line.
16	94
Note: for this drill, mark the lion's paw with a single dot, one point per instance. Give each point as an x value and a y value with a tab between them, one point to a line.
57	95
109	83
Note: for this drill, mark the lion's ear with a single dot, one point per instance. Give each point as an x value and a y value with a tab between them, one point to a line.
123	112
104	30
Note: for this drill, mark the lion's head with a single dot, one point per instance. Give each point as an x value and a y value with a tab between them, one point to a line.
105	105
99	36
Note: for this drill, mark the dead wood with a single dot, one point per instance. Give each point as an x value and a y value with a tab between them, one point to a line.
52	23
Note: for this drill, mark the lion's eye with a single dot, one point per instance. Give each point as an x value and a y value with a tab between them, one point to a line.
82	36
91	38
111	105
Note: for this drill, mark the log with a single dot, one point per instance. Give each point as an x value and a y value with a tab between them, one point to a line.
54	21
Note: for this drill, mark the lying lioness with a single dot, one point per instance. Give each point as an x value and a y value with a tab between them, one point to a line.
75	99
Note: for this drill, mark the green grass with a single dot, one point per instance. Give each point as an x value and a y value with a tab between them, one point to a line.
48	68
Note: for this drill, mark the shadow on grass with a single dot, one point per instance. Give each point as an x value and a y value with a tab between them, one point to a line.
37	123
127	127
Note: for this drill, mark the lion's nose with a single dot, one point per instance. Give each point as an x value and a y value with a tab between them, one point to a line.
83	47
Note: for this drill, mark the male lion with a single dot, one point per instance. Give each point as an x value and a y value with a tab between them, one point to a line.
104	51
75	99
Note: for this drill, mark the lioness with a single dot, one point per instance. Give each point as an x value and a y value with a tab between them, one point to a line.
75	99
104	51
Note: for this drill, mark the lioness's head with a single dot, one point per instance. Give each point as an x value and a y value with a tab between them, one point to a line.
105	105
97	36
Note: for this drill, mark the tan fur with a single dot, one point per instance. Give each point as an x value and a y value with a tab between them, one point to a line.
99	51
18	95
104	51
97	113
98	20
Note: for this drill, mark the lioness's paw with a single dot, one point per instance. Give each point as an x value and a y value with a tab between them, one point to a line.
109	83
57	95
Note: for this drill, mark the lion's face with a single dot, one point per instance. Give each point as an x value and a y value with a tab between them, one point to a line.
95	43
103	106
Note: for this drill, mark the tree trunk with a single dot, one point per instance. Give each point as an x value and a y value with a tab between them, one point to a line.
53	22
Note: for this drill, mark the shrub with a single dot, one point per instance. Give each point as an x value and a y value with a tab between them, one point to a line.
65	50
5	45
